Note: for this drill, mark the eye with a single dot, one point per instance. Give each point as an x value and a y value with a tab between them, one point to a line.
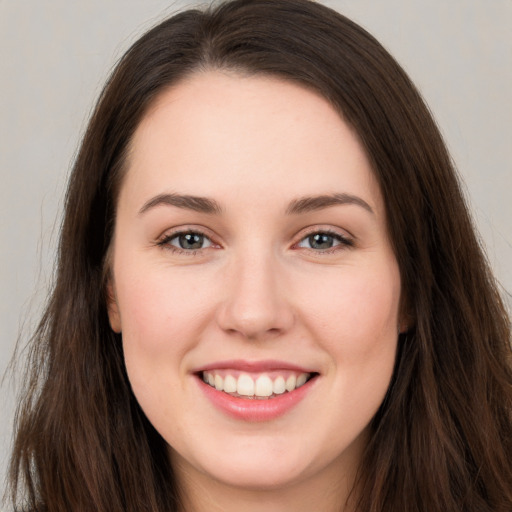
187	241
324	241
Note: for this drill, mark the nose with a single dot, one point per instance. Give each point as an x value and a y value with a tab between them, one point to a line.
255	304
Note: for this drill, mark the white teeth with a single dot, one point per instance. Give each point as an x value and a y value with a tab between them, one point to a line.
230	384
245	385
290	383
279	386
301	380
263	386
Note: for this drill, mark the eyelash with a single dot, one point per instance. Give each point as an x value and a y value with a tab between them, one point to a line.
344	242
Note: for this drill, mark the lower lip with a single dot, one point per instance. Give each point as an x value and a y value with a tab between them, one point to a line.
256	410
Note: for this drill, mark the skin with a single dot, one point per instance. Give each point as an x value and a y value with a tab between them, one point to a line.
256	290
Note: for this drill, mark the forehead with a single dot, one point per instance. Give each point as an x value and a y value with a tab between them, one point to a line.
216	133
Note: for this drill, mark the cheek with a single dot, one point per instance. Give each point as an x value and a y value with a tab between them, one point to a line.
356	323
162	319
154	308
357	326
356	311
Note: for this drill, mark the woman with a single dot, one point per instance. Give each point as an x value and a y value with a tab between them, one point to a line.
269	293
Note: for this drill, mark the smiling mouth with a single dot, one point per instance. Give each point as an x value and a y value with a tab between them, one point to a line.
260	386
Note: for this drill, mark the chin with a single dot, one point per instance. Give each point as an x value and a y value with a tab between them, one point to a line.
250	464
266	463
258	475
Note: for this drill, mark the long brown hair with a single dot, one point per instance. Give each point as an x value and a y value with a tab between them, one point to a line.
442	439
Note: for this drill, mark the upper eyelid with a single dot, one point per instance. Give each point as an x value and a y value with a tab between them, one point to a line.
336	231
182	230
171	236
344	241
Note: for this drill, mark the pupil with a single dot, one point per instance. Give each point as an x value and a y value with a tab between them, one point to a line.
191	241
321	241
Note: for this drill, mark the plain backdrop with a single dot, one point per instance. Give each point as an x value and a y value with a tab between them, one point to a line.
56	54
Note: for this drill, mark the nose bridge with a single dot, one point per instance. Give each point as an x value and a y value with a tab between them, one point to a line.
255	302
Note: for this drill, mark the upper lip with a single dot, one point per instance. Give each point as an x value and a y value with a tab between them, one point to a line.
252	366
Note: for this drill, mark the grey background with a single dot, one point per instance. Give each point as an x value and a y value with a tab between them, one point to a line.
56	54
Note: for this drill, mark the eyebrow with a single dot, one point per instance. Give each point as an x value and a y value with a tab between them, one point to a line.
313	203
194	203
296	207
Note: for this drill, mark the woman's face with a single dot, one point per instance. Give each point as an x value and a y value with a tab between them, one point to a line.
251	251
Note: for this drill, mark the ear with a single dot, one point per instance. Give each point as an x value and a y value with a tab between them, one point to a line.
406	323
114	315
403	327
